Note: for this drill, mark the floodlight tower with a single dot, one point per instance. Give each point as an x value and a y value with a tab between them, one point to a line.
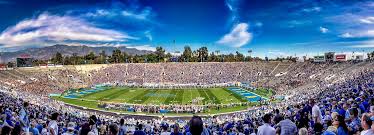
249	53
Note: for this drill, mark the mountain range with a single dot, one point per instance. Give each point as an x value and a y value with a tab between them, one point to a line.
49	51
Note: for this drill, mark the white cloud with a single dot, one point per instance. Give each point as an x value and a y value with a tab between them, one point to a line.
296	23
313	9
363	46
143	47
367	20
99	12
228	4
233	6
323	29
138	47
238	37
346	35
143	15
370	33
366	44
51	28
277	53
148	35
359	33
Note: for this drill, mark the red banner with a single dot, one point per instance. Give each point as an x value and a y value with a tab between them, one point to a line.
340	57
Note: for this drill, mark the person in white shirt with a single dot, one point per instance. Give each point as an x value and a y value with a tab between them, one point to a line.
122	128
366	123
266	128
316	112
53	125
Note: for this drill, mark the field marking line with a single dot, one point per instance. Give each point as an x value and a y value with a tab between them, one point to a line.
207	94
174	95
182	96
191	94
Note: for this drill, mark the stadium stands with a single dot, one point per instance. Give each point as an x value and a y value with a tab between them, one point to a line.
320	98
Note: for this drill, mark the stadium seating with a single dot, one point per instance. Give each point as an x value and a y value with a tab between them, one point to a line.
323	98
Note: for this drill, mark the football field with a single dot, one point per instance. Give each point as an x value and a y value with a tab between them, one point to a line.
92	97
158	96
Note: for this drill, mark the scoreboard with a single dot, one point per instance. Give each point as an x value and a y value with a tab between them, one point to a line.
24	61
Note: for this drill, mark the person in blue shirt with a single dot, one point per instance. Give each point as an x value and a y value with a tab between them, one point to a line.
39	126
355	123
24	117
139	130
33	129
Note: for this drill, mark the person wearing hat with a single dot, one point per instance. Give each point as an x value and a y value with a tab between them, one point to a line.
70	129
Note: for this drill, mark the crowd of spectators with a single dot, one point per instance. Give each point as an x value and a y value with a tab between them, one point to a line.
332	99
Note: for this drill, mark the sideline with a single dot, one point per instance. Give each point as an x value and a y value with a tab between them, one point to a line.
155	115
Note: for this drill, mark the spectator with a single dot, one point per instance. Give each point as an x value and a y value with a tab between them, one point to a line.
113	129
286	127
53	124
70	129
24	117
316	112
266	128
303	131
165	130
342	127
176	130
17	130
196	126
355	122
366	122
139	130
5	130
123	128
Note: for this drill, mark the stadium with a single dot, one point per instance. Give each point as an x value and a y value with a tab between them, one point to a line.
186	68
148	91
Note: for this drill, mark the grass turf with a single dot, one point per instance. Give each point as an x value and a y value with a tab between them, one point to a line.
161	96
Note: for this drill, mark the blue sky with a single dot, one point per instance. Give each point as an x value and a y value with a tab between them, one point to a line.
269	28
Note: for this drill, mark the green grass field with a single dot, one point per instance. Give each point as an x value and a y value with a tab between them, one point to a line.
163	96
156	97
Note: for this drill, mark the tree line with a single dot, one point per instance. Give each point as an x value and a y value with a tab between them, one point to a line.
160	55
